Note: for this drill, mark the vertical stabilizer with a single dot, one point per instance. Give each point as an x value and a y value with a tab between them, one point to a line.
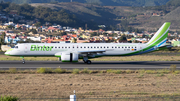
159	39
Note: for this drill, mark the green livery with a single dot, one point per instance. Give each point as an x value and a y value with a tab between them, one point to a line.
40	48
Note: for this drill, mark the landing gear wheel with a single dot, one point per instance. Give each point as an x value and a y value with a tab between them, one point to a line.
23	61
88	62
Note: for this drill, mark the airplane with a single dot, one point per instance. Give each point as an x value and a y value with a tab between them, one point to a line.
71	52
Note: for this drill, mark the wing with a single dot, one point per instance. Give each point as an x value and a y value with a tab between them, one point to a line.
91	51
94	51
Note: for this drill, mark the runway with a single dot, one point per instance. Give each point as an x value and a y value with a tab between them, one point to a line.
101	65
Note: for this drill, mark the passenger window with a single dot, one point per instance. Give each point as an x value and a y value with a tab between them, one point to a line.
101	47
104	47
84	47
122	47
59	47
91	47
17	47
88	47
107	47
112	47
97	47
94	47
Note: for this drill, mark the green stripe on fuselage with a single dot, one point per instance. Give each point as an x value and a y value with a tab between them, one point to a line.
10	50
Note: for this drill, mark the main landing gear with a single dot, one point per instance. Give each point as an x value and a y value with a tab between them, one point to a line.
85	59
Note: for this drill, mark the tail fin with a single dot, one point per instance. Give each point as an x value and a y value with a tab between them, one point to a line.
159	39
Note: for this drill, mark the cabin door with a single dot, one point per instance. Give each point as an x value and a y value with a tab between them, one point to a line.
25	48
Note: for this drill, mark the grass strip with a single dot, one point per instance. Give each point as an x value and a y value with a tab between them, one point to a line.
42	70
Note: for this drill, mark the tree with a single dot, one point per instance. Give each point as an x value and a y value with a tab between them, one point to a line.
2	39
143	36
19	28
135	41
124	24
34	31
10	26
38	24
93	34
123	38
74	40
137	30
130	29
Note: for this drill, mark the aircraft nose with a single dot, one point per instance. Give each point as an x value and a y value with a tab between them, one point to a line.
7	53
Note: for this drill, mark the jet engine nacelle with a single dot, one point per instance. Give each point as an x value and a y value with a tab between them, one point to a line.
69	57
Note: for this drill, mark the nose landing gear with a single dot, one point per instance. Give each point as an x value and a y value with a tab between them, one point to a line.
23	61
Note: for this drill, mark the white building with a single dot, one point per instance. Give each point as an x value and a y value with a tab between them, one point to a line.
34	38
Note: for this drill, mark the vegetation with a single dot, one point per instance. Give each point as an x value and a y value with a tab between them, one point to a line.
59	70
12	70
44	70
172	68
175	3
85	70
2	39
123	19
44	14
75	71
141	72
8	98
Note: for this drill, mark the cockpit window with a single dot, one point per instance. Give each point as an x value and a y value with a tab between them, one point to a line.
16	47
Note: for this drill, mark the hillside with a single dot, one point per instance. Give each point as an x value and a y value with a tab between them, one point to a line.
100	2
76	14
155	22
108	15
113	15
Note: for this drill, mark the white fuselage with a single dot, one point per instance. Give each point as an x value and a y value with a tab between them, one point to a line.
50	49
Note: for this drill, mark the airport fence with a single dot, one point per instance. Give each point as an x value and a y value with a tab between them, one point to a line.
105	99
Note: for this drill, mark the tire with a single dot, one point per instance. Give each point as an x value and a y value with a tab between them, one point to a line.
88	62
23	62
